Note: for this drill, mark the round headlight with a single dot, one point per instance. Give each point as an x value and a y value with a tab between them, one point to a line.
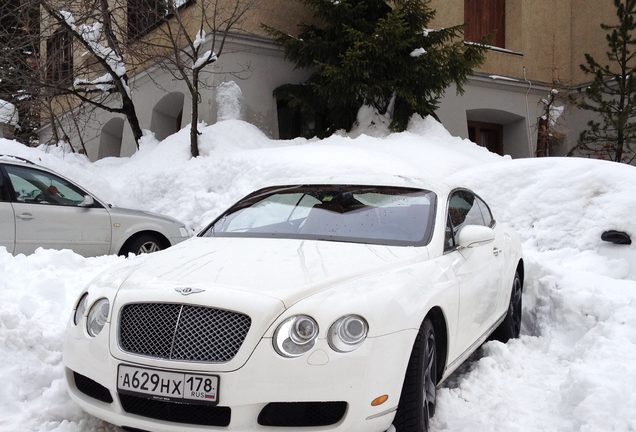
80	309
295	336
348	333
97	317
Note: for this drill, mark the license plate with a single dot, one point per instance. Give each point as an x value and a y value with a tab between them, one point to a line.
168	386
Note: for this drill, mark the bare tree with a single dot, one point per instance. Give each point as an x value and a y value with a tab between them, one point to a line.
68	56
90	24
85	50
547	135
187	39
19	27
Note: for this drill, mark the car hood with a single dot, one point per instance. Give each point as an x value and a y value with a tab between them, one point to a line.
257	277
121	211
283	269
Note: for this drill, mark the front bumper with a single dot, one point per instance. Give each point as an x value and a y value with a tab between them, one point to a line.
178	239
322	375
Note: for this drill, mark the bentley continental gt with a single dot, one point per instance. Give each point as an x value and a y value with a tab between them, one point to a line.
318	306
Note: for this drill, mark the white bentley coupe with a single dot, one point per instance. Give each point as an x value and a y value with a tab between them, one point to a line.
311	306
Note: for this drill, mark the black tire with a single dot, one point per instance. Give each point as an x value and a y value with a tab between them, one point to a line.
146	243
510	327
419	392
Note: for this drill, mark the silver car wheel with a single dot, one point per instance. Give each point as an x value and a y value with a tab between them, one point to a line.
148	247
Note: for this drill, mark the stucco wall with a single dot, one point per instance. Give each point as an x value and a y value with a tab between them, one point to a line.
262	67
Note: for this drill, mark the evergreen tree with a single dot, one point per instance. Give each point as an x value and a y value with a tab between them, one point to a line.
377	53
612	93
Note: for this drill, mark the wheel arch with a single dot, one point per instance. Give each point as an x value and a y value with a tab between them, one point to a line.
438	319
165	243
521	270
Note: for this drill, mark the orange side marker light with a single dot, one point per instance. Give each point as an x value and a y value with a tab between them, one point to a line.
379	400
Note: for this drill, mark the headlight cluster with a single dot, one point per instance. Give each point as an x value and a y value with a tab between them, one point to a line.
97	315
348	333
297	335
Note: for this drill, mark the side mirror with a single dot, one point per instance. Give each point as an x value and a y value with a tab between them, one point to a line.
475	235
88	201
616	237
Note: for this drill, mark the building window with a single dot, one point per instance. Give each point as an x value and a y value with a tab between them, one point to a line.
145	15
485	18
59	54
489	135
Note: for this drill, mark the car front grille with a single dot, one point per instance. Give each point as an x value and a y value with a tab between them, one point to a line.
182	332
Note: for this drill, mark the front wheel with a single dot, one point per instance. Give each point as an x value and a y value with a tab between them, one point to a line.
419	392
510	327
143	244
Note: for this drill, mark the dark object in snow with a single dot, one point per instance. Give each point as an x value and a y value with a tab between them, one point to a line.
616	237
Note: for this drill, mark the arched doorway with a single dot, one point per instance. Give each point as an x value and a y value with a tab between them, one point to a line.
499	131
110	139
167	115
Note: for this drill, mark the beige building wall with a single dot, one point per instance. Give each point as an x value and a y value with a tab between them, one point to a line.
547	38
545	43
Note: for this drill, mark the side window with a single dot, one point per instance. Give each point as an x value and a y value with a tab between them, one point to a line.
485	212
38	187
449	240
463	209
3	190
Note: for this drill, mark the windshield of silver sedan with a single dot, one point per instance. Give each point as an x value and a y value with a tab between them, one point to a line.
359	214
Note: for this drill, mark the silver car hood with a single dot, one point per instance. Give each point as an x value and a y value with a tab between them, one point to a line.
121	211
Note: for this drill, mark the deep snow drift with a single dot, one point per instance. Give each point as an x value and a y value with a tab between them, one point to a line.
572	370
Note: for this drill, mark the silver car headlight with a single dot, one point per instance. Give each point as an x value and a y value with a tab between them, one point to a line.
184	232
97	317
295	336
348	333
80	309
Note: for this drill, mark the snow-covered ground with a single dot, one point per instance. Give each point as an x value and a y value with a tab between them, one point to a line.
574	368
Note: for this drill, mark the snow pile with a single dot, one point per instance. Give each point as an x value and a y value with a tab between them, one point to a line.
8	113
238	158
206	58
228	100
38	293
572	370
91	35
417	52
199	39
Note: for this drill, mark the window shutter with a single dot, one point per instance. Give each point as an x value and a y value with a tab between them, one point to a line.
485	18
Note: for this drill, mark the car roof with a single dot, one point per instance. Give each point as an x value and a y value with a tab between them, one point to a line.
17	160
437	185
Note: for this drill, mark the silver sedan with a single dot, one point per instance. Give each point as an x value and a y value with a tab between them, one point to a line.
40	208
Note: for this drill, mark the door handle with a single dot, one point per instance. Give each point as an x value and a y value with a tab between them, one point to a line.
25	216
496	251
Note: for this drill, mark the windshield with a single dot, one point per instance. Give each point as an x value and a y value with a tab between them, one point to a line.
360	214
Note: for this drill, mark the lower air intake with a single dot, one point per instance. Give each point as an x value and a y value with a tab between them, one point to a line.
92	388
204	415
302	414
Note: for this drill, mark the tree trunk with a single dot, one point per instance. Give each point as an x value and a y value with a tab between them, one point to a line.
619	146
194	124
131	115
542	138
